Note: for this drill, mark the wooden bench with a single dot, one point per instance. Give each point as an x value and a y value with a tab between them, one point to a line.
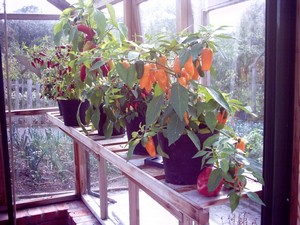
183	202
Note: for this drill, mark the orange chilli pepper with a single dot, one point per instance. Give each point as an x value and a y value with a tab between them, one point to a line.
161	62
222	116
186	118
182	81
189	66
206	57
185	74
196	74
241	144
162	79
150	147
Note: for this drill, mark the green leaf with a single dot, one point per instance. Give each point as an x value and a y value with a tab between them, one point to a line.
131	146
57	38
208	143
96	119
218	97
75	40
100	21
194	139
254	197
196	50
210	120
224	165
127	75
214	179
154	109
58	28
179	99
73	32
175	129
234	200
108	128
112	15
161	152
184	55
97	65
123	30
201	153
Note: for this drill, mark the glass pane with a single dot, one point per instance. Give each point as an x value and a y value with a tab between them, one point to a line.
43	156
25	83
29	6
239	70
158	16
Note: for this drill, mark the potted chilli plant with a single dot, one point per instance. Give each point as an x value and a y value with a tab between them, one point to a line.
188	118
92	39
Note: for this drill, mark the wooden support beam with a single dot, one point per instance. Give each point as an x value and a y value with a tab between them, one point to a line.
184	17
132	18
103	188
134	209
60	4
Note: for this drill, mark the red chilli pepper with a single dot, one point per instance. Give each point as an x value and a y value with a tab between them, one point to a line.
83	73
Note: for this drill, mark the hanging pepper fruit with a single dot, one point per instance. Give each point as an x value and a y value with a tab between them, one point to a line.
139	68
145	76
241	144
87	30
162	79
104	69
111	64
150	147
186	118
189	66
148	78
222	116
185	74
161	62
83	73
176	66
206	57
196	74
182	81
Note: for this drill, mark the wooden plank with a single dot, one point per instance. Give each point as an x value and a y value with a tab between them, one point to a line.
103	188
76	166
134	209
18	16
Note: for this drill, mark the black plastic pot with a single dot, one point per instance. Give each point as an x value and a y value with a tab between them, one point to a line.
69	109
103	118
181	168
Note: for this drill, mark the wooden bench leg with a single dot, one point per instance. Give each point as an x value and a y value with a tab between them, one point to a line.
134	211
103	188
